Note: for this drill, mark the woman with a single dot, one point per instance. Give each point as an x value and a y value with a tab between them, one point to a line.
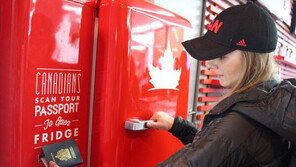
253	124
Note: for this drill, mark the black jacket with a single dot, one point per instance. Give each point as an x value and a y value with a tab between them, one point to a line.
253	128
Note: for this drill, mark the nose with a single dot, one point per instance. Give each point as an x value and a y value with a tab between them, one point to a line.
212	65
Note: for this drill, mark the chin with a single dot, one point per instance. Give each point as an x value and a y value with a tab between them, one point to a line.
226	85
223	83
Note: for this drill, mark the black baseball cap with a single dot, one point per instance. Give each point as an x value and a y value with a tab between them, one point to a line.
245	27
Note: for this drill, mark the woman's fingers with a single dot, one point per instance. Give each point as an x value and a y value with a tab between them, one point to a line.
161	121
153	124
44	162
155	116
53	164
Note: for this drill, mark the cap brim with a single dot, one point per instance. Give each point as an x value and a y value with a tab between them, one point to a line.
202	48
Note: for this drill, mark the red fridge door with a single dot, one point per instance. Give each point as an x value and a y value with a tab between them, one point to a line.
46	58
141	68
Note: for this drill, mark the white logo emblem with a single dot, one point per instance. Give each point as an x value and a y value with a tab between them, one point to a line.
166	77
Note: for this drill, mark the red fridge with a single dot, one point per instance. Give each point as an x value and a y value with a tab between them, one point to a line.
46	57
141	68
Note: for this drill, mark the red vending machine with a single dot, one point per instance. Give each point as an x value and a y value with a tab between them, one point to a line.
46	57
141	68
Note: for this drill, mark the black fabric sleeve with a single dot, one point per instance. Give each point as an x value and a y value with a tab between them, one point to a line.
183	130
218	144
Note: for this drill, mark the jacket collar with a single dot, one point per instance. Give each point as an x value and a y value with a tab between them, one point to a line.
254	93
271	103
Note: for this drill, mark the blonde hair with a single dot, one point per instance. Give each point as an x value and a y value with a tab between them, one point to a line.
257	68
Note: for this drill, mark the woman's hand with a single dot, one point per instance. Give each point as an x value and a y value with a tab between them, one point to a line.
51	163
161	120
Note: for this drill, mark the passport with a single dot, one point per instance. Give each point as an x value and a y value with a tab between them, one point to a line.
65	153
